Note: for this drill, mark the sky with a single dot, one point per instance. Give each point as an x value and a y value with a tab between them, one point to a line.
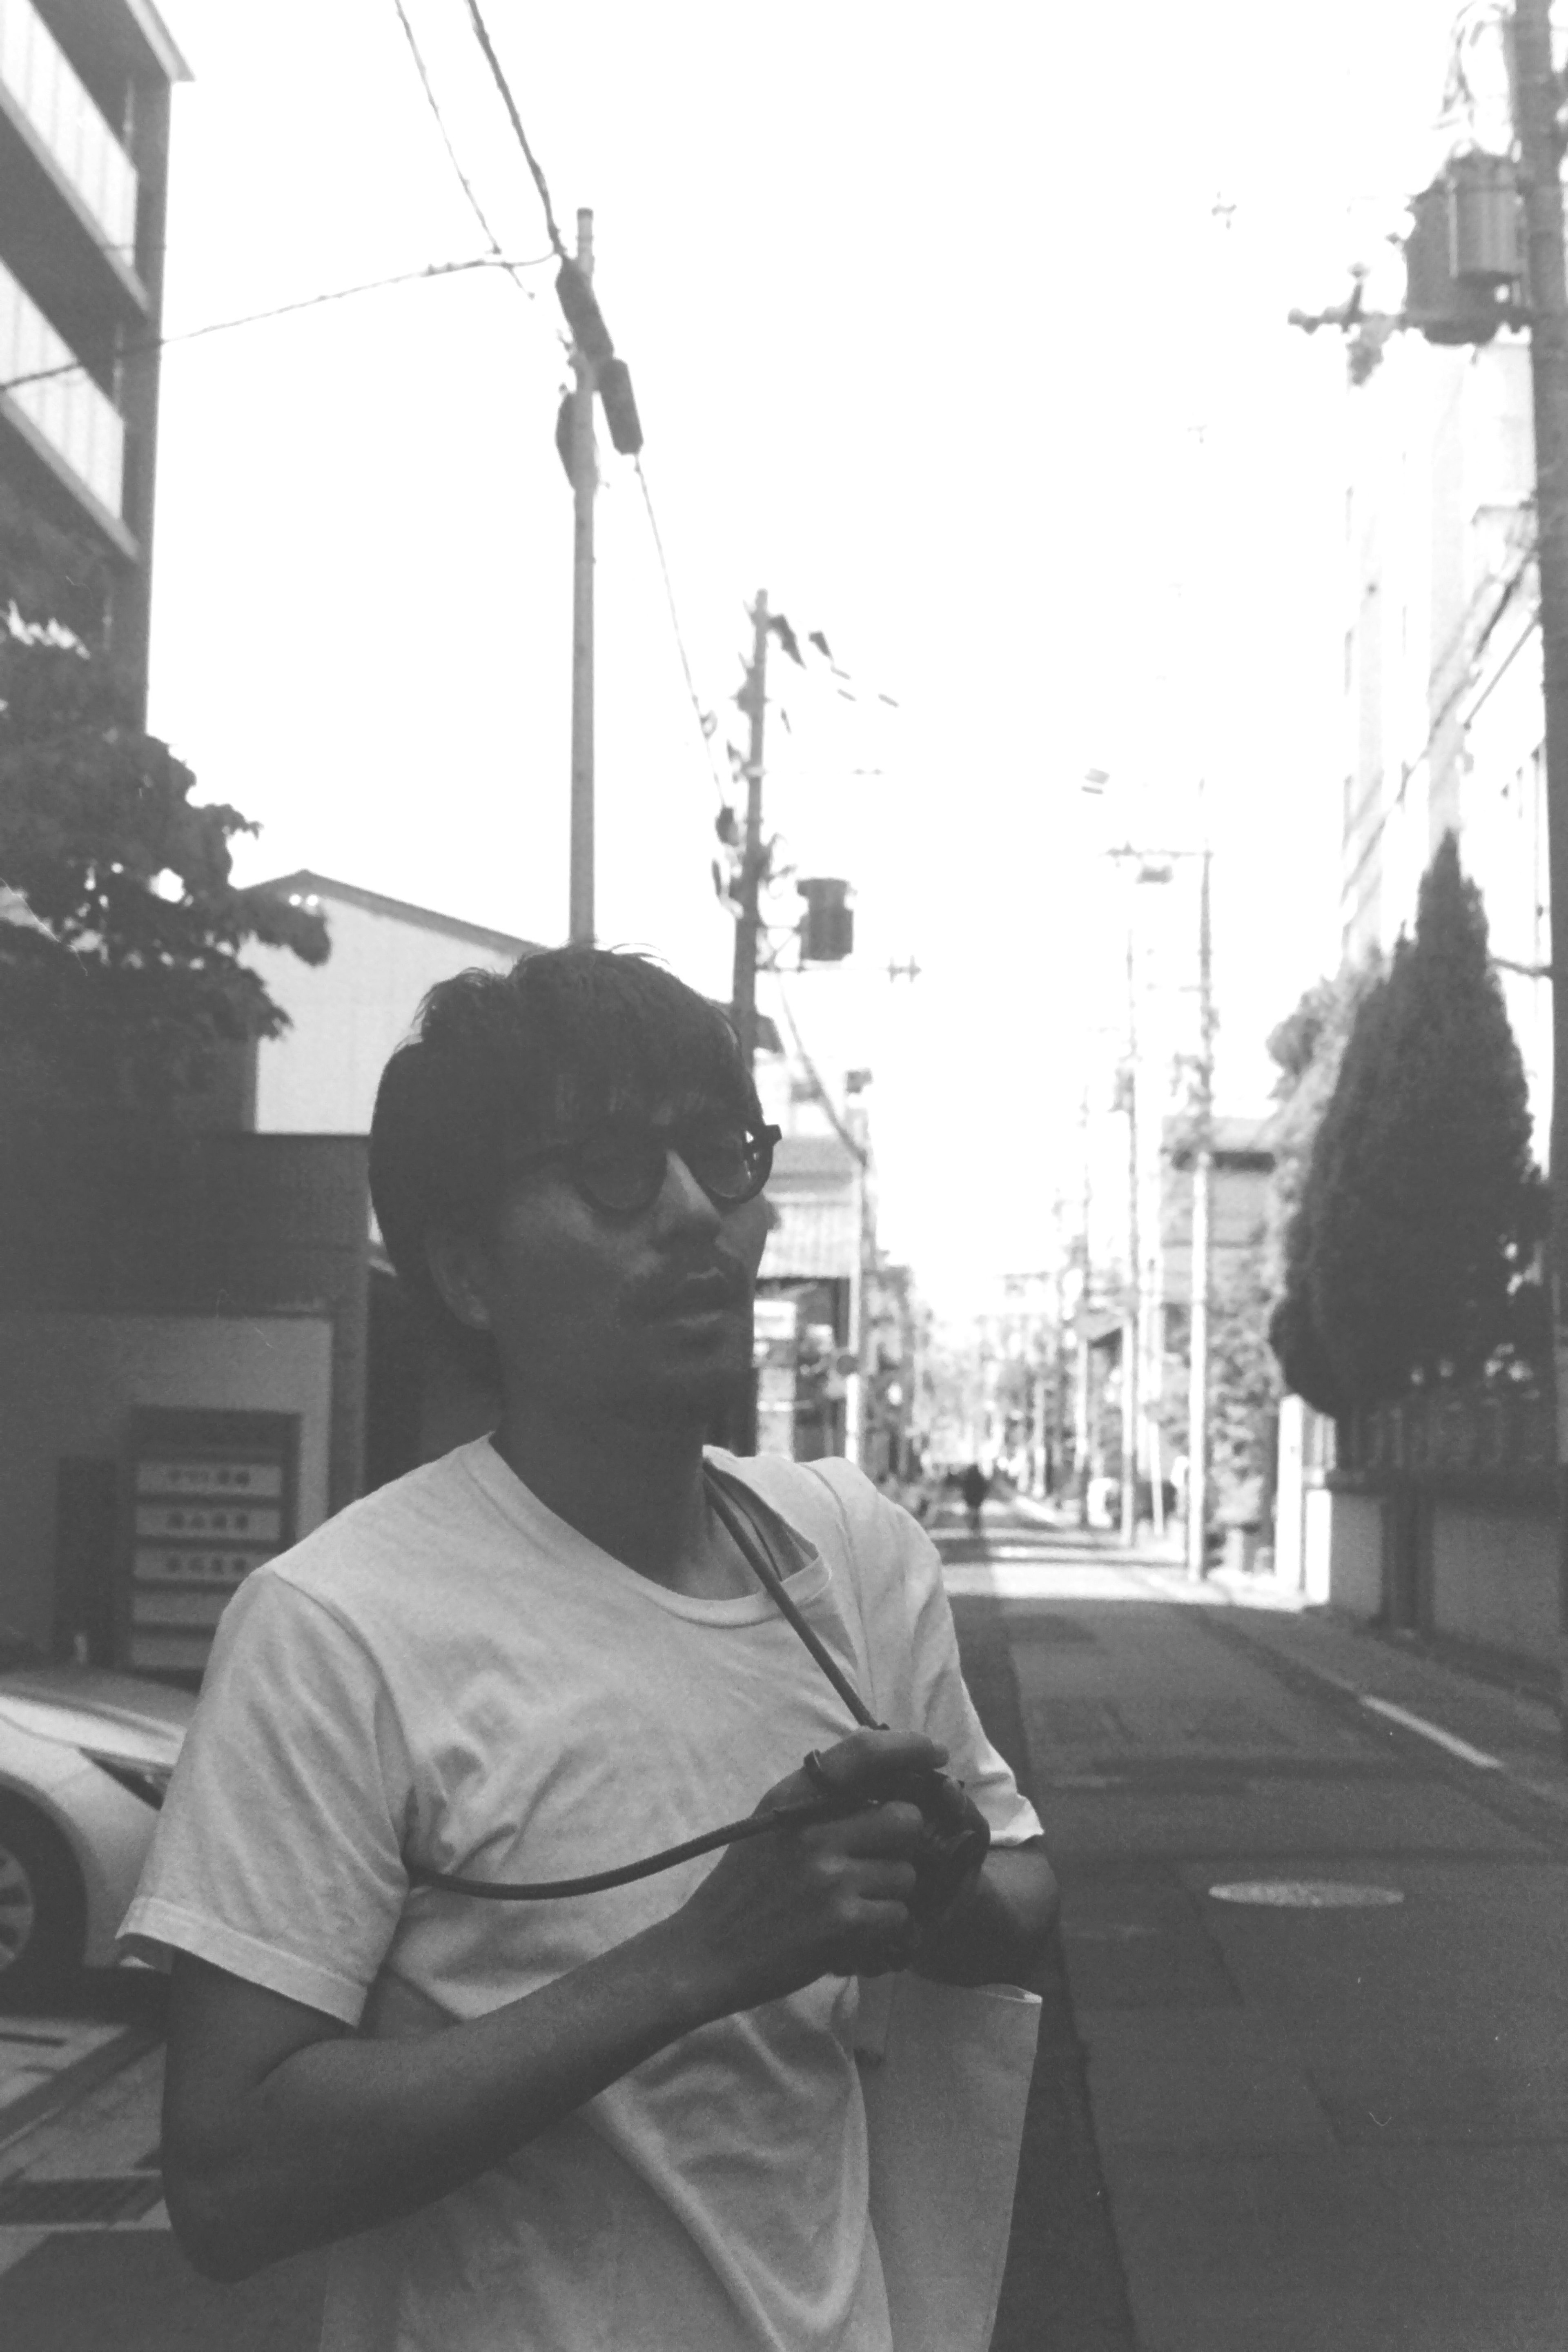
961	332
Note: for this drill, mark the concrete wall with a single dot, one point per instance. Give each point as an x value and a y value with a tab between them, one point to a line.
1355	1554
1317	1546
1494	1575
68	1383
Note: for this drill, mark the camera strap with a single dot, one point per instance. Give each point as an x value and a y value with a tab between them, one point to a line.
747	1534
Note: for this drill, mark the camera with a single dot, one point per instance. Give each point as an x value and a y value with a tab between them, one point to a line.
957	1836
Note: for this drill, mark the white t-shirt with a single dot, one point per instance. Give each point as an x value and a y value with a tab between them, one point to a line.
449	1671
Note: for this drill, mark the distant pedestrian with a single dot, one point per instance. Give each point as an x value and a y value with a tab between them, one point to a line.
974	1486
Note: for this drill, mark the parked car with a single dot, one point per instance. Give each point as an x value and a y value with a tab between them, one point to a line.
85	1757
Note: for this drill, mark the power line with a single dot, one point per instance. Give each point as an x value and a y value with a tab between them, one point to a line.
481	34
700	715
822	1097
463	182
1385	815
280	311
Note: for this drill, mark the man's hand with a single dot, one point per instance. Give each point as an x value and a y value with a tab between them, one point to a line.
836	1898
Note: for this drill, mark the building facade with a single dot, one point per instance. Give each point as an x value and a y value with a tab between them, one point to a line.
1438	1512
84	152
1442	662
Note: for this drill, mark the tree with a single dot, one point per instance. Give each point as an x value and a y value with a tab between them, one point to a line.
1409	1239
1308	1047
128	978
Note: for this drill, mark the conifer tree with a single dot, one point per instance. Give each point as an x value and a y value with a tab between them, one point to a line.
1405	1247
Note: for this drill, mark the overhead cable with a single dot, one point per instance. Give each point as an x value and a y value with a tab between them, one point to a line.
463	180
281	310
481	34
703	718
1379	826
822	1097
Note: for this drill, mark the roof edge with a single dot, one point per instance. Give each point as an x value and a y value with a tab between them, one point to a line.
375	902
159	39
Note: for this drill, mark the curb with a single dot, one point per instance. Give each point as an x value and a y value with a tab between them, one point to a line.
85	2073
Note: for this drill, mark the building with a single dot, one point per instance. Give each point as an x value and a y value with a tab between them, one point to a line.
347	1015
1242	1165
84	149
1442	661
183	1337
318	1080
836	1326
203	1351
1438	1512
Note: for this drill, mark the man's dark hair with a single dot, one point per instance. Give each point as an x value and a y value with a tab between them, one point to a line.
499	1059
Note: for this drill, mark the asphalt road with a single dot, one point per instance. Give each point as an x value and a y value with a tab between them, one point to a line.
1331	2116
1334	2124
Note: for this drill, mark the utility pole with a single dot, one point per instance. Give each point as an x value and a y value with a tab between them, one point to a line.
1132	1322
1201	1246
1536	96
584	482
1082	1431
753	699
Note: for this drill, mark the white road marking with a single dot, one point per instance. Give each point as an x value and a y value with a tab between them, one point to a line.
1307	1895
1418	1723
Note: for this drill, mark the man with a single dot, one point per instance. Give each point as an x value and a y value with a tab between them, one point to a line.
627	2118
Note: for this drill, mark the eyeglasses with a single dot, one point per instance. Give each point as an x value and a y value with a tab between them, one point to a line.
621	1169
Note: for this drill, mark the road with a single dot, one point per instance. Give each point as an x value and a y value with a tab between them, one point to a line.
1331	2121
1334	2123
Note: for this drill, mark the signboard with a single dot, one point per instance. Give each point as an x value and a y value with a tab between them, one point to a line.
208	1497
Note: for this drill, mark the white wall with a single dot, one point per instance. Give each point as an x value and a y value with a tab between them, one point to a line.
321	1076
67	1384
1317	1546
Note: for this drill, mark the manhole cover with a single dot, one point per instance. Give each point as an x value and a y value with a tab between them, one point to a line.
1307	1895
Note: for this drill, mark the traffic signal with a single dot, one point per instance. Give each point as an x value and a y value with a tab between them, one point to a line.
827	927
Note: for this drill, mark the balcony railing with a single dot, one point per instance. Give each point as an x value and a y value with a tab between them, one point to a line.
76	420
34	70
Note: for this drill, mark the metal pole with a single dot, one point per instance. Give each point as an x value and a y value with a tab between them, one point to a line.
1537	97
1132	1322
1202	1247
584	482
754	702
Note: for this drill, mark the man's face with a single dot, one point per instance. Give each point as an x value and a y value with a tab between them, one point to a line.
646	1316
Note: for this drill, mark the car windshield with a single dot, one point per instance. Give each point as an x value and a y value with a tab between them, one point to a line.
16	1650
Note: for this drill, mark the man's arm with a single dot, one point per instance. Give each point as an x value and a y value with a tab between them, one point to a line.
996	1931
284	2130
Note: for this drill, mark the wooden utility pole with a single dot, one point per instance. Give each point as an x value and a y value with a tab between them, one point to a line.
1537	97
748	928
1201	1246
584	483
